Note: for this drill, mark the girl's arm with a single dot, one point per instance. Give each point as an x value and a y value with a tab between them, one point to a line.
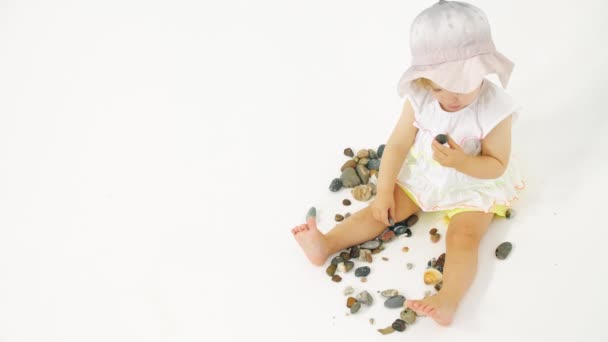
495	152
396	149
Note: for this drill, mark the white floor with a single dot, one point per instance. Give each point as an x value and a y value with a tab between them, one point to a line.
154	156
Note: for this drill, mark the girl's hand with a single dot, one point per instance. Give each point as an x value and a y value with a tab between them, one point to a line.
381	207
452	156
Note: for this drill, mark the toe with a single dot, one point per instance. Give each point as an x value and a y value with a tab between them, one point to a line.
312	222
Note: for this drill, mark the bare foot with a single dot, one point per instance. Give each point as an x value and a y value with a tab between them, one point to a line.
433	306
312	241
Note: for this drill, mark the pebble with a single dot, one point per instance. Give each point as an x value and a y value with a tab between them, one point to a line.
355	308
336	260
342	267
349	152
433	231
363	153
373	165
387	236
365	255
510	213
385	258
405	249
438	286
389	293
363	173
350	301
363	279
432	276
312	212
435	238
356	159
441	138
378	250
410	221
408	232
354	252
346	201
349	178
380	150
339	217
372	154
362	192
335	185
331	270
345	255
347	215
349	164
440	262
363	161
503	250
365	298
348	290
408	316
399	325
387	330
372	244
374	188
394	302
362	271
349	265
409	265
371	321
400	230
432	262
336	278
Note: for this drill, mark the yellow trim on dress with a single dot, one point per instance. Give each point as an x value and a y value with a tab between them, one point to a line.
498	209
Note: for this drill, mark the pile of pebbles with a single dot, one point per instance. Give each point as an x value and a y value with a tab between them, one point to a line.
357	171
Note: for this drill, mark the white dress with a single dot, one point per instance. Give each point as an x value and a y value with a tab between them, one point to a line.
439	188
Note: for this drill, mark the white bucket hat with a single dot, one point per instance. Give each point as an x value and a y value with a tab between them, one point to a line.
451	45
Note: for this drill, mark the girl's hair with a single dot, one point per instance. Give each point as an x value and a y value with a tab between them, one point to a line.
423	82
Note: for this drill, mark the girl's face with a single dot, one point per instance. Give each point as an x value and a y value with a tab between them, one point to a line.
452	102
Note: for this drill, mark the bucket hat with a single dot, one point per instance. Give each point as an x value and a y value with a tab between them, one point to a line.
451	44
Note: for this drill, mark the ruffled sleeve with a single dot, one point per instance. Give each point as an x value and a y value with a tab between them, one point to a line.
419	98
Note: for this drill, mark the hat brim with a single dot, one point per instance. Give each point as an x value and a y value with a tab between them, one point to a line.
461	76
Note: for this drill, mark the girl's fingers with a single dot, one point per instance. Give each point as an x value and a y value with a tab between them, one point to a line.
437	147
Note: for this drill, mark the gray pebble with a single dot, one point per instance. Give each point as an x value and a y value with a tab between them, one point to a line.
380	150
503	250
395	302
335	185
365	298
372	244
355	308
408	316
362	271
389	293
349	178
373	164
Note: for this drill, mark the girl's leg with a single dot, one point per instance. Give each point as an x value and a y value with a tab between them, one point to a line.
462	243
356	229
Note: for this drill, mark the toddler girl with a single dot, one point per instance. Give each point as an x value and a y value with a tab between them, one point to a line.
470	177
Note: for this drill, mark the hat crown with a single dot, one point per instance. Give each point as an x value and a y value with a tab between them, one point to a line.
448	31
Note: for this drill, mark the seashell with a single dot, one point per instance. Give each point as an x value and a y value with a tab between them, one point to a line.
432	276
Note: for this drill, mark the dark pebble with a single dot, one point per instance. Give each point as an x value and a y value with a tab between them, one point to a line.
373	164
400	230
345	255
399	325
355	308
339	218
349	152
362	271
380	150
410	221
331	270
503	250
349	265
408	232
346	201
354	252
336	278
442	138
335	185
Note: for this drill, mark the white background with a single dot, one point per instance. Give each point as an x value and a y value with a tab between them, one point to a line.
154	156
